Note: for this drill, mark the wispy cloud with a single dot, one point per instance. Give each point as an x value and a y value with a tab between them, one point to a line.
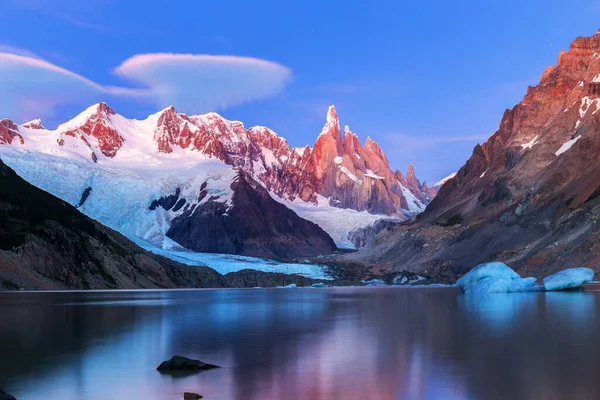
74	12
413	142
32	87
4	48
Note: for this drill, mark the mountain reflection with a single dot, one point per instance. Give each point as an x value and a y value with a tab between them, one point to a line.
380	343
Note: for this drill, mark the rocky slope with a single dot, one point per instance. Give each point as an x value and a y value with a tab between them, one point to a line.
255	225
46	243
529	196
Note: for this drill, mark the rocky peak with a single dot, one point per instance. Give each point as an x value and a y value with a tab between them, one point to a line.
373	147
411	177
34	124
96	122
332	115
172	129
9	132
104	109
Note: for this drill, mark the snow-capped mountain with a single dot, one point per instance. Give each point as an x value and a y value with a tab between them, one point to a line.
340	169
529	196
115	169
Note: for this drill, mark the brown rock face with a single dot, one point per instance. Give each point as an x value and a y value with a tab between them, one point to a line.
98	126
337	168
9	132
529	196
255	225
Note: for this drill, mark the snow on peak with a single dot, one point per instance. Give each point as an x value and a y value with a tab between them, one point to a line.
371	174
414	204
85	115
332	114
530	144
446	179
34	124
566	146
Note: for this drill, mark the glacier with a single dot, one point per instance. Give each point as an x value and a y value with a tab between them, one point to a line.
120	197
497	277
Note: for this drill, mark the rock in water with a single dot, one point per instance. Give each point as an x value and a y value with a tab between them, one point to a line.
5	396
568	279
179	363
189	395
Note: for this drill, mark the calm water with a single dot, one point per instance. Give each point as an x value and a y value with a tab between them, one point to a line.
363	343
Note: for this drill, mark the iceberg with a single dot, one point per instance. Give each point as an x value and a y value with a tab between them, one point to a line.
319	285
568	278
375	282
495	277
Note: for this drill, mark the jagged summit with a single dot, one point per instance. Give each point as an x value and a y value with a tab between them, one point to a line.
343	170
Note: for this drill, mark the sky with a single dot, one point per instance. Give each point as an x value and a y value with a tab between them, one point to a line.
426	80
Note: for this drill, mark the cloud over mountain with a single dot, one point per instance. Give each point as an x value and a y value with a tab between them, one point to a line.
32	87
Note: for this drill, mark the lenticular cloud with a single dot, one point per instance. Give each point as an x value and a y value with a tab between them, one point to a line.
199	83
29	84
32	87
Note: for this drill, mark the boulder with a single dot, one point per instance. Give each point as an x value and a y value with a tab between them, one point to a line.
190	395
179	363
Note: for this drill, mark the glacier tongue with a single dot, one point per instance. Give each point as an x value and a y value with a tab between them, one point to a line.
120	198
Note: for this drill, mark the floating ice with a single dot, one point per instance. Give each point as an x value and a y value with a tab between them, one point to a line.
375	282
494	277
319	285
568	278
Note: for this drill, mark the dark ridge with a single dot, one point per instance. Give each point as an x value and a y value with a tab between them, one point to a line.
167	202
179	204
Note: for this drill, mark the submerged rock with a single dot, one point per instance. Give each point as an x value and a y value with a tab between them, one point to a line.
494	277
189	395
568	279
5	396
179	363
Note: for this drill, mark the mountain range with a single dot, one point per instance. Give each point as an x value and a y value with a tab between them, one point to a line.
206	184
177	184
46	243
529	196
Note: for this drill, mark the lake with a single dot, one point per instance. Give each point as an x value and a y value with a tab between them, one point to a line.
339	343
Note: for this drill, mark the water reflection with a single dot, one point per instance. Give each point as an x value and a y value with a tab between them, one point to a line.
378	343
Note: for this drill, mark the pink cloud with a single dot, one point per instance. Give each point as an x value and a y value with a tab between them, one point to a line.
32	87
199	83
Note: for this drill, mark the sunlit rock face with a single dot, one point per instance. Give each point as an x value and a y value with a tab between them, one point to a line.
337	167
529	195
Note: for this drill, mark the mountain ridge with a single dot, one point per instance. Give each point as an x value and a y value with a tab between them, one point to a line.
341	168
528	196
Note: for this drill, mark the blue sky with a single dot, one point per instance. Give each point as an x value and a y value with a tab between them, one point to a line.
427	81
